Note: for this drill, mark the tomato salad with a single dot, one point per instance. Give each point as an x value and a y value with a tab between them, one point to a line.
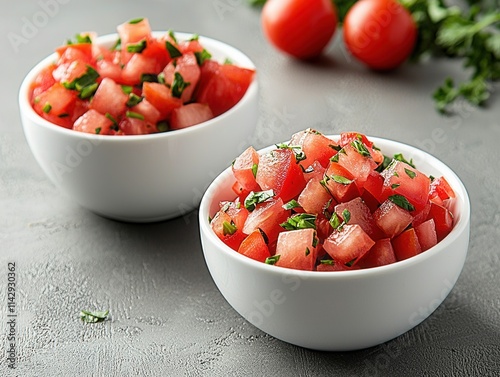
320	204
142	84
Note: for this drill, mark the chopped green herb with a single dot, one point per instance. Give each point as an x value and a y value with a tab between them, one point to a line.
254	169
134	99
88	91
80	39
400	157
63	115
385	163
296	149
127	89
173	51
86	84
410	173
171	34
135	21
137	47
227	61
178	85
335	220
360	148
201	56
291	205
98	130
131	114
300	221
307	251
228	228
162	126
402	202
161	78
255	198
395	186
272	260
46	108
117	45
341	180
330	262
93	317
148	77
194	37
111	118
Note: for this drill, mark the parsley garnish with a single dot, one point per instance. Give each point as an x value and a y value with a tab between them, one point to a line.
400	157
46	108
273	259
132	114
341	180
296	149
172	50
410	173
300	221
228	228
178	85
134	99
137	47
291	205
202	56
402	202
86	84
135	21
254	169
360	148
335	220
93	317
255	198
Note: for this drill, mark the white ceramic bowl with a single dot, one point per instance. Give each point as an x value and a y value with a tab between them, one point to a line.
342	310
141	178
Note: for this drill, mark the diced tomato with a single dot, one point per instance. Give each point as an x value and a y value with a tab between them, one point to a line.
55	101
406	245
43	81
360	166
381	254
135	126
240	191
109	69
254	246
340	183
359	213
157	50
441	188
224	227
315	197
420	216
400	178
72	52
190	115
190	46
316	170
68	72
187	67
348	243
278	170
391	218
148	111
315	146
346	138
245	168
109	98
297	249
267	217
221	87
160	97
323	227
443	220
426	234
137	66
375	185
95	123
133	32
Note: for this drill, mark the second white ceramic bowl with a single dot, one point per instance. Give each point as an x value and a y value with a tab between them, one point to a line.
141	178
341	310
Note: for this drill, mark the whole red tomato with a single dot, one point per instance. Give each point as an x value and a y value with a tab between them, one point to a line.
379	33
300	28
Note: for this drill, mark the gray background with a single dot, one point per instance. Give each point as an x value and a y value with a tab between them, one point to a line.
166	316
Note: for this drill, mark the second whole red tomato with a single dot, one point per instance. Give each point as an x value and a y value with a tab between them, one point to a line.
379	33
300	28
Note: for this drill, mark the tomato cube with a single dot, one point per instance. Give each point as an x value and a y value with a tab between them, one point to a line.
315	197
358	164
426	234
109	98
254	246
278	170
190	115
381	254
360	214
267	217
443	220
348	243
245	168
94	122
391	218
160	97
340	183
187	67
315	146
297	249
406	245
226	230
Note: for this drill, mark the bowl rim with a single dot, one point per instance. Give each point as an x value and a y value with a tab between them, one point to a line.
461	226
107	39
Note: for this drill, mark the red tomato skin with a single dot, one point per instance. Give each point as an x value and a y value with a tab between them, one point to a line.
379	33
243	169
406	245
254	246
299	28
